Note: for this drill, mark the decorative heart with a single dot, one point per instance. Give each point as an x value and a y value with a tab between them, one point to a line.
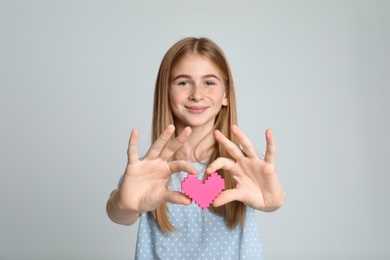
203	193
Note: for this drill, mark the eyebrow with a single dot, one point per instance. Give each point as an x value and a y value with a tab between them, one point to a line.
188	76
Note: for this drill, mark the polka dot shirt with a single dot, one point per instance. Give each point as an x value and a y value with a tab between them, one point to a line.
199	234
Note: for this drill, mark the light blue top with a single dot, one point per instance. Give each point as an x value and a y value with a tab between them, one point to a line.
199	234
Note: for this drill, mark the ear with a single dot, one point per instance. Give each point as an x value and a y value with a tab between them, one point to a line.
224	100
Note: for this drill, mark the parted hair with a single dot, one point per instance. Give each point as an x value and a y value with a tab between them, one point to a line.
233	212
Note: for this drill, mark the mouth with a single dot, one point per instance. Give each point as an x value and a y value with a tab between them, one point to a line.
196	109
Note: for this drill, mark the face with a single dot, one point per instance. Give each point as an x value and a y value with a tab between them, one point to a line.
197	93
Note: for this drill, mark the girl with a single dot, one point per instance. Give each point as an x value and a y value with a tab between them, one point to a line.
194	131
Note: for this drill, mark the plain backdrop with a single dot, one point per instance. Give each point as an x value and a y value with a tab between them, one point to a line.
77	76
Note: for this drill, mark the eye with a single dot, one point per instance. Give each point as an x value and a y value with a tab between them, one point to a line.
210	83
183	83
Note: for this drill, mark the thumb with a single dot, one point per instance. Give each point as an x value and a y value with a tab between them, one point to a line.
225	197
177	197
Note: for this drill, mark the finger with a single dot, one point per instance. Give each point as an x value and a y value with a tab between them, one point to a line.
247	145
132	150
161	141
226	196
177	197
271	149
220	163
178	166
171	147
230	147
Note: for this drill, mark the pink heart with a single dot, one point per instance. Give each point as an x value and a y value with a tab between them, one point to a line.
203	193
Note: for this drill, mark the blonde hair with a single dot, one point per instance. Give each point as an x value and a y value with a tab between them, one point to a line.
233	212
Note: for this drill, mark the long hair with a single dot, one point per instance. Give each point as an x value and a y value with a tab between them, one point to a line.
233	212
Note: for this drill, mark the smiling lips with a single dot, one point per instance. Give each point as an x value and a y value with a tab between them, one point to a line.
196	109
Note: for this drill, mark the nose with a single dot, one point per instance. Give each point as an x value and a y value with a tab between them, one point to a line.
196	93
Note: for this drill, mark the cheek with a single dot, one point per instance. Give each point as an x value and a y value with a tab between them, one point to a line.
219	97
174	98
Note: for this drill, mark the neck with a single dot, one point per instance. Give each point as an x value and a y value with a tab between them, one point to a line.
198	147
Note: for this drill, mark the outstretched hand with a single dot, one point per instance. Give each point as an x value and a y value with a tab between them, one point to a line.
145	182
257	184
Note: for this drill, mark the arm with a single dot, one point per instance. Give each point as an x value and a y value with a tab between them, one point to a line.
118	214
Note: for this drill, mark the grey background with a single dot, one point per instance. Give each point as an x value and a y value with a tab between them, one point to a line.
77	76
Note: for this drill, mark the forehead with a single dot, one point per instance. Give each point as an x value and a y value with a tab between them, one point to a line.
192	62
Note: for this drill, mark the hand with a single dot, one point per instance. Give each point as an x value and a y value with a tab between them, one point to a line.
257	184
145	182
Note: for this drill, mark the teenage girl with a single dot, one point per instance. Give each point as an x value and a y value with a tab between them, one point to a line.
194	131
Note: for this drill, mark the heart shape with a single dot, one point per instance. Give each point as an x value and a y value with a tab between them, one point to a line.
203	193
